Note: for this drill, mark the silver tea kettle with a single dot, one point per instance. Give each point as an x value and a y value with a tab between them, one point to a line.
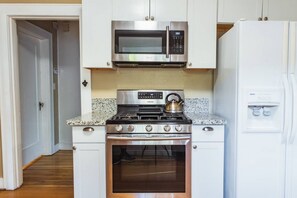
174	106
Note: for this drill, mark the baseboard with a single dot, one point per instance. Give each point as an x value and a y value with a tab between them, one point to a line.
1	183
65	146
56	148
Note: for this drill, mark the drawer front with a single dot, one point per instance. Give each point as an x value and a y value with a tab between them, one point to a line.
206	133
88	134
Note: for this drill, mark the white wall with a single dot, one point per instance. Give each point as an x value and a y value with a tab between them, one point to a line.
69	79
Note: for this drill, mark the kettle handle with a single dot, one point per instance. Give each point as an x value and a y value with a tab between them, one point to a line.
173	94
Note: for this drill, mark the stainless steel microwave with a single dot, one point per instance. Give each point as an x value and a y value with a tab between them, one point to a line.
149	44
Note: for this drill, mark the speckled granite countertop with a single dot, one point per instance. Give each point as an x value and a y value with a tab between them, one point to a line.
97	118
196	109
205	119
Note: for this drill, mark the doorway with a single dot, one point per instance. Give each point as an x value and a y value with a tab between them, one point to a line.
10	104
49	78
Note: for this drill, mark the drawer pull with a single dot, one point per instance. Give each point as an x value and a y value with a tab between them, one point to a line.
195	147
74	148
207	129
88	129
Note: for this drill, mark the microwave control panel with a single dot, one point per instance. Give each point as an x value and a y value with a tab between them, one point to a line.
176	42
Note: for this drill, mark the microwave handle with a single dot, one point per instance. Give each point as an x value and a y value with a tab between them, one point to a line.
167	41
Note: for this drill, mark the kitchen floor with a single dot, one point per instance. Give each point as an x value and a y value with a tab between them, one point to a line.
51	176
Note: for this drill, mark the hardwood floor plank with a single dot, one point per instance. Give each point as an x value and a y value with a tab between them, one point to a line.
48	177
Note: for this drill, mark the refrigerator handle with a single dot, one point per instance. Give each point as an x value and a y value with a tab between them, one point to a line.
294	114
287	109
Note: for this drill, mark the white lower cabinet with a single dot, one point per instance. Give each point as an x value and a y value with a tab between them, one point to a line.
89	163
207	161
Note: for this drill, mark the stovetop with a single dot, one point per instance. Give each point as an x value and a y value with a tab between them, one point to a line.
139	118
142	111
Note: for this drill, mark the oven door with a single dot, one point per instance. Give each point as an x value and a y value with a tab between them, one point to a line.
148	167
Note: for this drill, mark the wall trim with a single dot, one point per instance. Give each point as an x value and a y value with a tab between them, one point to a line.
1	183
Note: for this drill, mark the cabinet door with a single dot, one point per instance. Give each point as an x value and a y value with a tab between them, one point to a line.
281	10
130	10
89	171
207	169
202	22
169	10
230	11
96	33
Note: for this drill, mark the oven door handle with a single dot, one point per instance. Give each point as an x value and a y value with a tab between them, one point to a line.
123	138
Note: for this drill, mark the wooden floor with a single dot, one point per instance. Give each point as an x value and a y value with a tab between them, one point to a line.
51	176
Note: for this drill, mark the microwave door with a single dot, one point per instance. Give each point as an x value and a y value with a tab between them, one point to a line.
140	46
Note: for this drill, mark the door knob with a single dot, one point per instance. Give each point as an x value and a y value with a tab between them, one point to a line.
41	105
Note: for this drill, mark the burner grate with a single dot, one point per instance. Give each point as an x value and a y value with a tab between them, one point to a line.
173	118
149	117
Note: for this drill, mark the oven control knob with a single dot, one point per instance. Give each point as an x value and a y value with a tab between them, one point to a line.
167	128
178	128
149	128
119	128
130	128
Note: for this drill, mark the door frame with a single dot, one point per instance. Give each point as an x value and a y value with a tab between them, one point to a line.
9	88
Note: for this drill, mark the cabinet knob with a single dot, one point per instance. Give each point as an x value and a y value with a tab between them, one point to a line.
84	83
207	129
74	148
146	18
108	63
195	147
265	18
152	18
260	19
190	64
88	129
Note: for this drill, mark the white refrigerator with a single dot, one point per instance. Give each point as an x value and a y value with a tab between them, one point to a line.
255	89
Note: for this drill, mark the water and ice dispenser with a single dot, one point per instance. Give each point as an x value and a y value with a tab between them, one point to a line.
263	110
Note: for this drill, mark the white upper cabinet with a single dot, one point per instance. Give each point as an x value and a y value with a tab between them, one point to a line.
96	34
130	10
96	27
158	10
230	11
169	10
281	10
202	22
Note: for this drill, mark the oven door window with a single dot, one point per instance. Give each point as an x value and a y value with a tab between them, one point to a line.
140	42
149	169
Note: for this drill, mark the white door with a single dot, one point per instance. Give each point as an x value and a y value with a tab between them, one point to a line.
35	93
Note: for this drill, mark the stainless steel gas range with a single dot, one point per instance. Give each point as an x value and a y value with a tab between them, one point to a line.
148	150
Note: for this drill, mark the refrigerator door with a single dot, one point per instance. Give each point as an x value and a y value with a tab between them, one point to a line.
291	169
262	78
